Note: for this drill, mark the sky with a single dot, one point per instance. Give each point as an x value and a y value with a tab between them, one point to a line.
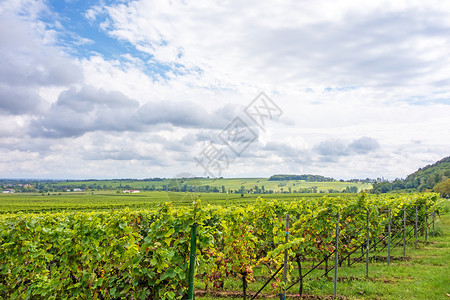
138	89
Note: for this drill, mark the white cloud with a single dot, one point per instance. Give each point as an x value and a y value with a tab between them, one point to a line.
92	13
328	43
358	83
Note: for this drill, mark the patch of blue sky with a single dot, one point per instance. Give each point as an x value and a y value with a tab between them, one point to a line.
157	69
79	36
340	89
82	38
427	100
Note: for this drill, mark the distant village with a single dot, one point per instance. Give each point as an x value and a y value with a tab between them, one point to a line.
45	187
278	184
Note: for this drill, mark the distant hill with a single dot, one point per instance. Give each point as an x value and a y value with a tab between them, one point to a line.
425	178
428	176
305	177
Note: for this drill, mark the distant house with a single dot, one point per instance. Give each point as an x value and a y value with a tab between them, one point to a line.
131	191
77	190
7	191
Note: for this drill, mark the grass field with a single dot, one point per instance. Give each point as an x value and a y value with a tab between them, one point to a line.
107	200
228	183
424	274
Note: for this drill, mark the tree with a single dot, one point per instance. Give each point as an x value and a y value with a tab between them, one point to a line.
430	182
351	189
443	188
242	189
437	177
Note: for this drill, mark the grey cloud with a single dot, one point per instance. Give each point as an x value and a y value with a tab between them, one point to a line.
180	114
363	145
16	101
61	122
374	49
123	148
27	64
230	111
214	136
88	109
290	154
331	149
89	98
26	60
23	144
124	154
159	149
367	47
189	139
178	144
206	136
281	149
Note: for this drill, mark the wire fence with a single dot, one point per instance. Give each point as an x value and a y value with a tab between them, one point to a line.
397	235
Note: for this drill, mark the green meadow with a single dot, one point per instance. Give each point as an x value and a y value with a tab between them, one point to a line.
108	194
109	200
227	183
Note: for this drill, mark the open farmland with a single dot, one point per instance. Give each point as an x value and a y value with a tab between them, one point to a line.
209	150
111	200
228	184
109	194
144	253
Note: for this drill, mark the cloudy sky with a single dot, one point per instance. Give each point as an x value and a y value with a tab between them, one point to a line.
120	89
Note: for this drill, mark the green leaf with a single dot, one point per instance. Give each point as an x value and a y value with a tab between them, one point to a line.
169	273
170	232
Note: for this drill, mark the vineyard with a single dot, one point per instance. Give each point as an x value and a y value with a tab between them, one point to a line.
145	254
111	200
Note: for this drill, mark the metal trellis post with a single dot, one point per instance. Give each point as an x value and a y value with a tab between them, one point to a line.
336	255
367	245
415	230
434	213
389	239
192	261
286	257
404	232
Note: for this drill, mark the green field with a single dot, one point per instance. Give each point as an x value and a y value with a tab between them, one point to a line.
121	253
107	200
228	183
87	240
